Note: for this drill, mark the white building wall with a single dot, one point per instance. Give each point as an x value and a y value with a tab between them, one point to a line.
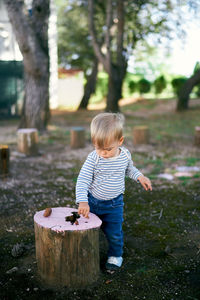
9	49
70	91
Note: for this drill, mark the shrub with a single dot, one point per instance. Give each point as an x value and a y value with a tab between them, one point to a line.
196	67
160	84
102	85
144	86
132	85
197	90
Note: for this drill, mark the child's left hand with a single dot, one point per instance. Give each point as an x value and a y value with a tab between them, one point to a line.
145	182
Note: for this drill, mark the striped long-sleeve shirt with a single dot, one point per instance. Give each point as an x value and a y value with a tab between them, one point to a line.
105	178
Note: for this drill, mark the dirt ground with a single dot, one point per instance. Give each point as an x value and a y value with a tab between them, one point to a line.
161	228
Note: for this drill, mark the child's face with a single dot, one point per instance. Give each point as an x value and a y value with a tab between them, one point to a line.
109	150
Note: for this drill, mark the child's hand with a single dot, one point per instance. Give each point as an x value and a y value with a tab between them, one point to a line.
84	209
145	182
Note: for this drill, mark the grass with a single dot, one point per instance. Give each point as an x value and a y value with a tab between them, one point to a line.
191	161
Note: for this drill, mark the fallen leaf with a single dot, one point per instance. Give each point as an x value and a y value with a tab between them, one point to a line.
108	281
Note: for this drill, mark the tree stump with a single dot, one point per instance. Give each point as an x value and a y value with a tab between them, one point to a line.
66	254
27	139
197	136
4	160
140	135
77	137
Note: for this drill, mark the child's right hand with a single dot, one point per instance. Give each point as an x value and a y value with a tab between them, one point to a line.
84	209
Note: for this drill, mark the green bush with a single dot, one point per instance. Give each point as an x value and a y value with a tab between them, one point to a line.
102	85
160	84
132	85
101	88
196	67
144	86
177	84
197	91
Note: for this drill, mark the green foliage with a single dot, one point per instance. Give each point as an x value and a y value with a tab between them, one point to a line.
102	84
191	161
144	86
177	83
197	90
196	67
101	88
197	87
74	46
132	85
160	84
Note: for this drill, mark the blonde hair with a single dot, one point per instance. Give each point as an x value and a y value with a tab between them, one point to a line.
106	127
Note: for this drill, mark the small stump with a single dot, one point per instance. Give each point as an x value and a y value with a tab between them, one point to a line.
4	160
77	137
27	139
140	135
66	254
197	136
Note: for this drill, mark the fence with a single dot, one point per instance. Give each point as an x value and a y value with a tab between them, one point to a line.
11	86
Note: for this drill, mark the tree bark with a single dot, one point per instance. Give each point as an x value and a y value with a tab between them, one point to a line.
115	83
36	102
4	160
68	259
90	86
114	90
31	33
77	137
184	94
66	254
197	136
27	140
140	135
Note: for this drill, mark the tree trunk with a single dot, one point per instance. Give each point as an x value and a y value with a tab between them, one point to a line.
115	83
140	135
36	103
66	254
90	86
27	141
4	160
77	137
184	94
31	31
197	136
116	68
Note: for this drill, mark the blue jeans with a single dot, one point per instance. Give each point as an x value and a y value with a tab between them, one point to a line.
111	214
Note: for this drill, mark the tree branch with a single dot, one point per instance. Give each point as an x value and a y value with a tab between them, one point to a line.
188	86
108	26
96	45
25	35
120	31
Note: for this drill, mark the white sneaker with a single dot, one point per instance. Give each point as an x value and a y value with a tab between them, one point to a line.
113	262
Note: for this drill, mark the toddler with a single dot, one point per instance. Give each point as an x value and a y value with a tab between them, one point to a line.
101	181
